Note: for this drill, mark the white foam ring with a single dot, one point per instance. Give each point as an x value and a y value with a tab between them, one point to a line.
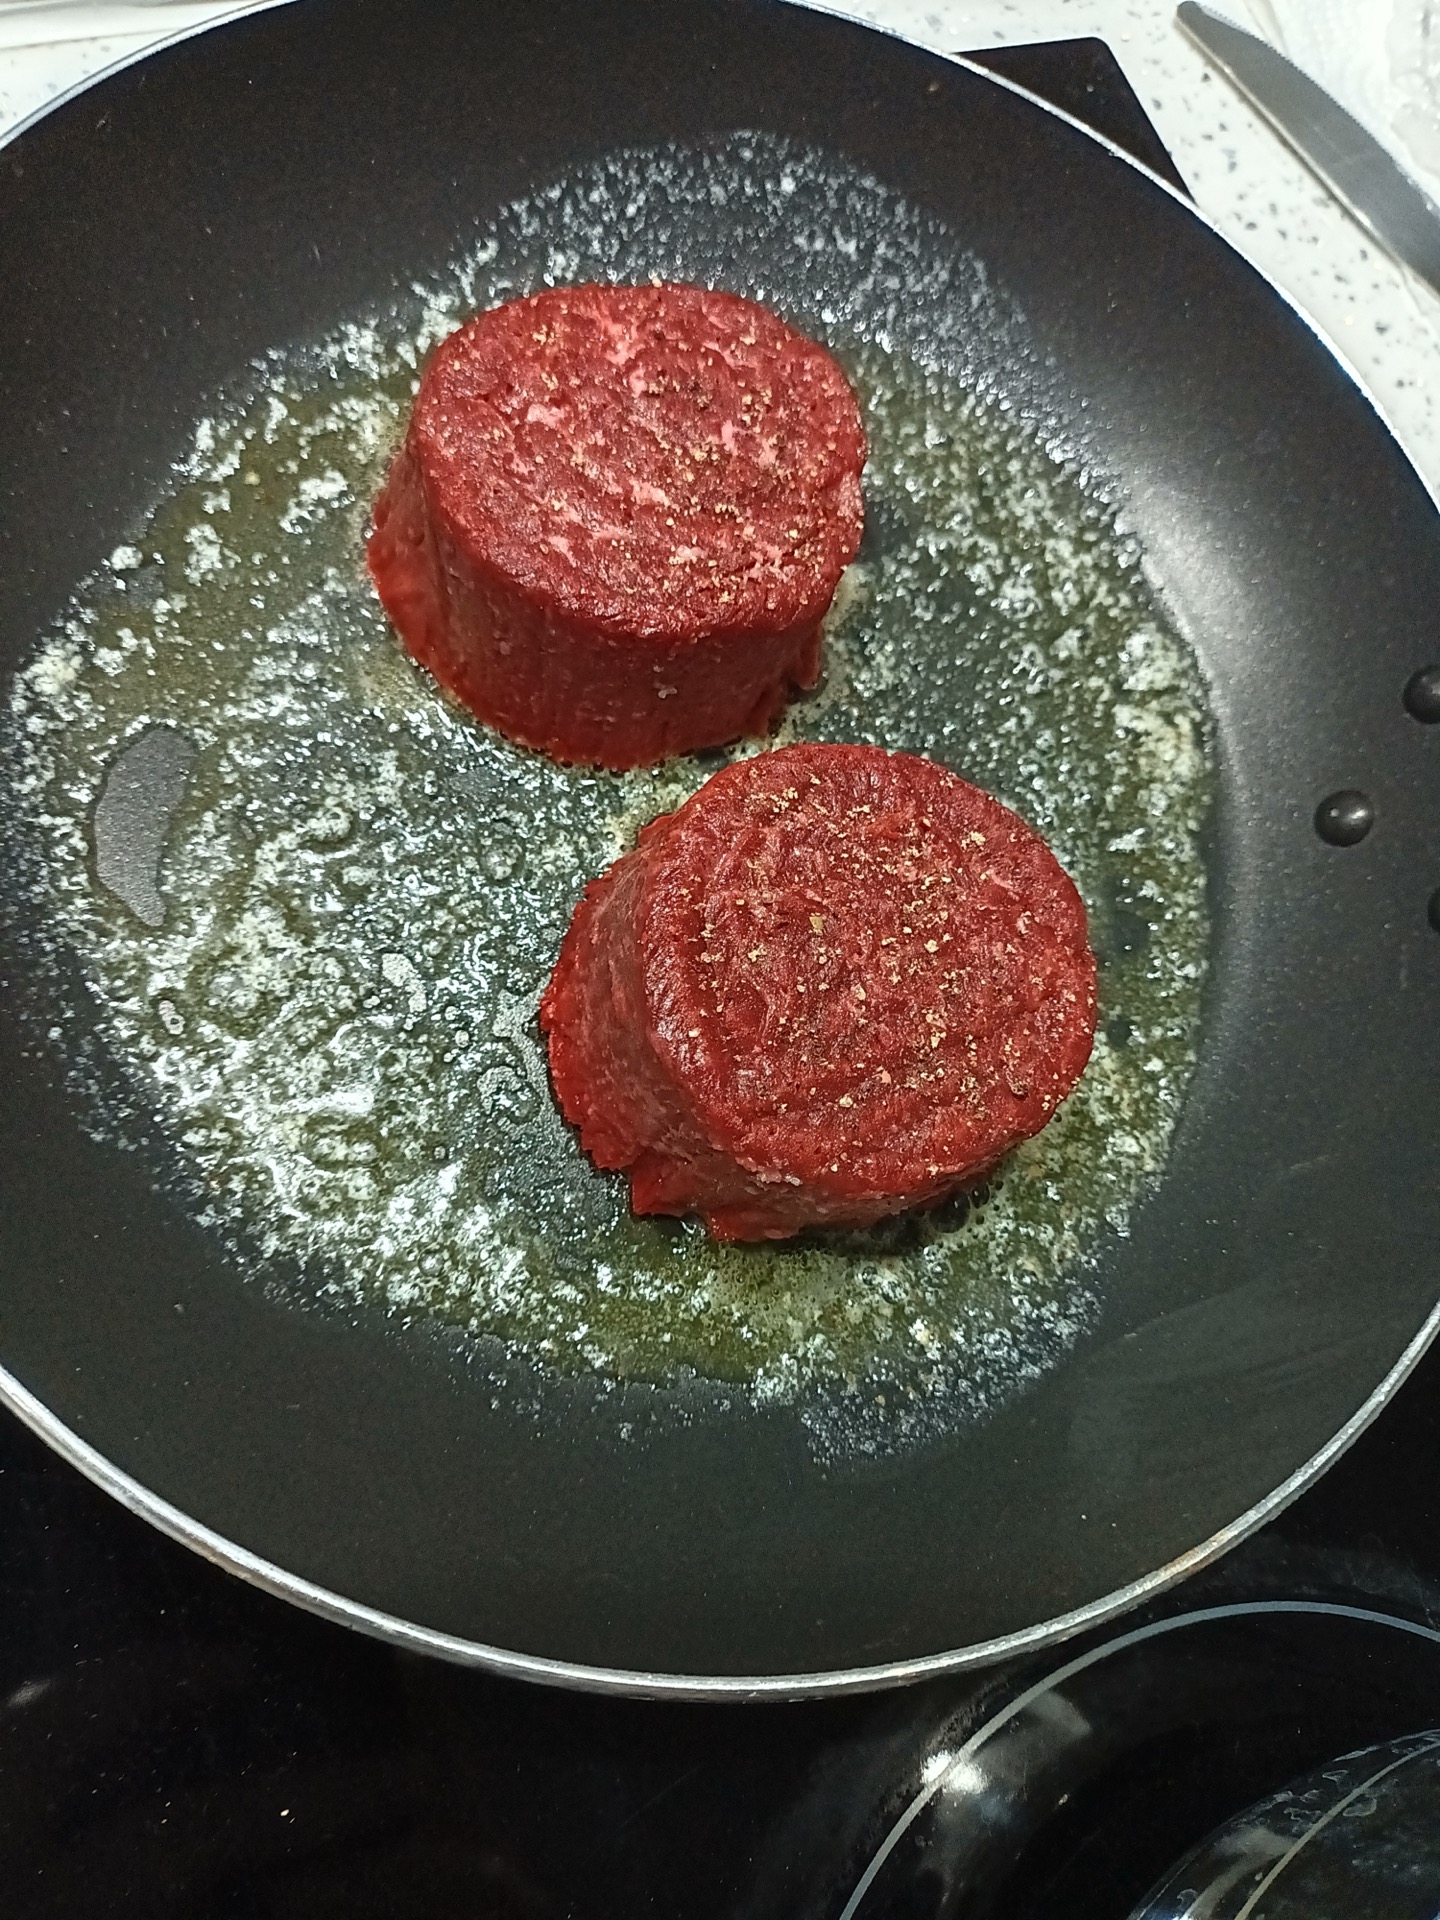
334	1028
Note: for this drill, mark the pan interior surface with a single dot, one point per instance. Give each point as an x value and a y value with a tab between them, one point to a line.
333	1015
602	1508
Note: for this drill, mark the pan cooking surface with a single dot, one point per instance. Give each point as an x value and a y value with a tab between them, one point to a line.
248	1359
335	1020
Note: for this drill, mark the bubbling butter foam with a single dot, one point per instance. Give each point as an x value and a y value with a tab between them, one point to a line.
366	889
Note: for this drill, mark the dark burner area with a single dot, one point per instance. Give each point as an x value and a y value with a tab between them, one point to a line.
174	1744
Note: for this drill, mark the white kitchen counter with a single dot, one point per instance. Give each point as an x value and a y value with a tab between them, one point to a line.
1385	322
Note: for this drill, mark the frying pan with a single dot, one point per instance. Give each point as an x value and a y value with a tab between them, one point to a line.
259	183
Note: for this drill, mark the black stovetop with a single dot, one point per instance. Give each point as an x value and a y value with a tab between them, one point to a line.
173	1743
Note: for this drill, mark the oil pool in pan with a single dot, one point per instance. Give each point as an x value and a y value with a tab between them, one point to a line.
363	890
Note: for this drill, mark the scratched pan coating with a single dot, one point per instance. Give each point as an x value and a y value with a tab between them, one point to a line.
1267	1290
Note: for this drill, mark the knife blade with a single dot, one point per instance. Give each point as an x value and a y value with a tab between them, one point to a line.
1372	187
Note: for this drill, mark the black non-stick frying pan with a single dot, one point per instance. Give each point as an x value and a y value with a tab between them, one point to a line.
258	184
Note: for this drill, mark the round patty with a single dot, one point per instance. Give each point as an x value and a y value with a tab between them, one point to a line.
835	984
619	517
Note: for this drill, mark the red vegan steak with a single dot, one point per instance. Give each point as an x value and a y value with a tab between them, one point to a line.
619	516
835	984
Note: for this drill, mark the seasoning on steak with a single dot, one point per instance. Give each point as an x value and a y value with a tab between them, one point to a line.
836	983
619	516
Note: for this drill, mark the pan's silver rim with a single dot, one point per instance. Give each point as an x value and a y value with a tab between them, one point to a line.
680	1686
413	1638
237	11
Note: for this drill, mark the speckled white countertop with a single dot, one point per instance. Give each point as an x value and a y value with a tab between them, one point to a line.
1385	322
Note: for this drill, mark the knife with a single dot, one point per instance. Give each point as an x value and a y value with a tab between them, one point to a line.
1349	161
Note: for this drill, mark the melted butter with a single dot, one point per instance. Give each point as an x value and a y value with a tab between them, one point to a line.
366	889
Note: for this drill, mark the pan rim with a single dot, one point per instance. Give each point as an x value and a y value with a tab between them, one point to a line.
714	1688
740	1689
